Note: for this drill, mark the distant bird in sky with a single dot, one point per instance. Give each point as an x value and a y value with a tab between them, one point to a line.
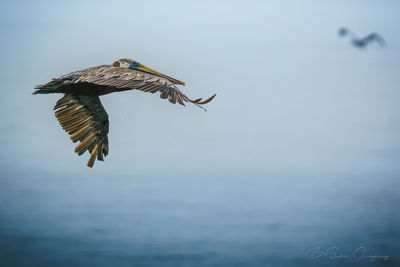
362	42
80	111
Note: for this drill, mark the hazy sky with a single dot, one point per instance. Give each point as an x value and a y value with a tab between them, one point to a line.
291	94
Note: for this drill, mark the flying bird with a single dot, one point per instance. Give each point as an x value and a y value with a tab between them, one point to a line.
80	111
362	42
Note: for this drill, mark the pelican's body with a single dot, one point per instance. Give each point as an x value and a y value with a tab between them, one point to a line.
362	42
80	111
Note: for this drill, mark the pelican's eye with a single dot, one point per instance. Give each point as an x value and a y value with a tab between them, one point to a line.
133	65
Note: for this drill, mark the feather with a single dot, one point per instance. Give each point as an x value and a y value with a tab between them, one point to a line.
85	119
92	157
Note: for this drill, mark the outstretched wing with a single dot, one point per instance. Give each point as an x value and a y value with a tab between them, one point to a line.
84	118
121	78
374	37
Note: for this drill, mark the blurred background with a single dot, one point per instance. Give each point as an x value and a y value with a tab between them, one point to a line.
295	163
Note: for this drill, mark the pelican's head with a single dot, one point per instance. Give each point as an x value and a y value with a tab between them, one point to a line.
134	65
343	31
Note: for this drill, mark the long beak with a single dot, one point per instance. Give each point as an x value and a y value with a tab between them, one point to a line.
144	68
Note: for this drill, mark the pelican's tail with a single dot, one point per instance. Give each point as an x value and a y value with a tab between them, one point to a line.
48	88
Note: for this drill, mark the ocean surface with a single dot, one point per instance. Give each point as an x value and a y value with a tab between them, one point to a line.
56	219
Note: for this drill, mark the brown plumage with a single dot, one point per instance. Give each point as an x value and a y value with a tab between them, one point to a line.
80	112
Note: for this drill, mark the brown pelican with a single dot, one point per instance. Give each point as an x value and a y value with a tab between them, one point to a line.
80	111
362	42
